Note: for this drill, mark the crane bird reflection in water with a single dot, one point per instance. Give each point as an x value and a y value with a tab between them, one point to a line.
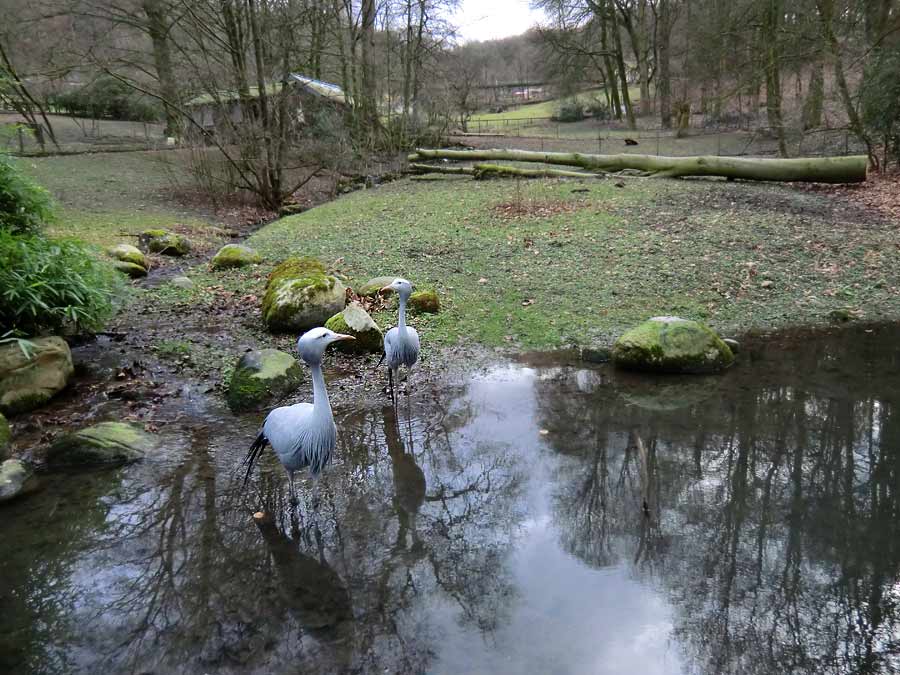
401	343
302	435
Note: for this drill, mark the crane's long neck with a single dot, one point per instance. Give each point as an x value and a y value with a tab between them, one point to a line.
321	404
401	321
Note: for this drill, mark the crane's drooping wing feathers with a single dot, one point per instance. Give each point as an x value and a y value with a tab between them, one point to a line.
401	350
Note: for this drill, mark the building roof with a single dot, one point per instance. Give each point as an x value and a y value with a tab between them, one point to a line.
326	90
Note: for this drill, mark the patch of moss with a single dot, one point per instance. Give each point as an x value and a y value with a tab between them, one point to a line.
840	316
131	269
261	376
173	349
372	286
165	242
13	405
5	436
235	255
127	253
425	302
106	443
299	295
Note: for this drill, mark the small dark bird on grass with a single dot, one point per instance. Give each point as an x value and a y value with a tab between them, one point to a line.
631	141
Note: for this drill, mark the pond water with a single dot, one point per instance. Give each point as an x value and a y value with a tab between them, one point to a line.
538	516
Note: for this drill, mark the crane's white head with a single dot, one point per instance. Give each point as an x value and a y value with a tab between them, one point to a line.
311	345
401	287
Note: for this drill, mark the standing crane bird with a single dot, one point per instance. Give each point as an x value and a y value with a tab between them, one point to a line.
401	343
302	435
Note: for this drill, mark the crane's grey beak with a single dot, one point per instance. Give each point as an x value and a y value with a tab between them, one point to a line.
340	337
386	289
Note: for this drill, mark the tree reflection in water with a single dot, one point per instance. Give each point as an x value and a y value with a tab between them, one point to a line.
768	512
756	512
177	579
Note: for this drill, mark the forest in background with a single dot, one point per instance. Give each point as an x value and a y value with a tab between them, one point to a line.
781	65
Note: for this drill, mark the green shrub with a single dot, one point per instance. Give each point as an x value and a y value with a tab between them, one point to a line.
569	111
53	286
108	97
24	204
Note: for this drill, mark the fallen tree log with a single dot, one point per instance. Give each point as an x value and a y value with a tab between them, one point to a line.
850	169
480	171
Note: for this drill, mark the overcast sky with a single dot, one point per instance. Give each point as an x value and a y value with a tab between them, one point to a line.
492	19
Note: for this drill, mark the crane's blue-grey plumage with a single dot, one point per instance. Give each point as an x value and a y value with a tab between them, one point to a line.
401	343
302	435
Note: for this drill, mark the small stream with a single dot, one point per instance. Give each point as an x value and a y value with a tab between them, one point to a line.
536	516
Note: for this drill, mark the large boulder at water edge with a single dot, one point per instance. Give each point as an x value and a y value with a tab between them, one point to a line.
129	254
5	437
260	377
355	321
29	381
104	444
16	479
372	286
165	242
300	296
235	255
669	344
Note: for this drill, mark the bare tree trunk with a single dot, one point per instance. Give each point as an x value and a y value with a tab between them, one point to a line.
623	75
634	18
270	188
158	30
408	60
664	81
772	27
368	96
231	17
826	19
817	169
812	105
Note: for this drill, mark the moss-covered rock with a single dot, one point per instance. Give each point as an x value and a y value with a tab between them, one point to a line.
300	295
235	255
104	444
16	479
426	301
372	286
841	315
5	437
27	383
165	242
355	321
129	254
260	377
131	269
182	282
669	344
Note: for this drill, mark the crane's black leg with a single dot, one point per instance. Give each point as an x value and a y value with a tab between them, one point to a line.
391	381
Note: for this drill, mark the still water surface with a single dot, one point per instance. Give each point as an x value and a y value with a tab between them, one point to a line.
534	517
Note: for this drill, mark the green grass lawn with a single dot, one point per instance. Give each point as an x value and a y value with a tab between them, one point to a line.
106	198
545	108
579	268
526	264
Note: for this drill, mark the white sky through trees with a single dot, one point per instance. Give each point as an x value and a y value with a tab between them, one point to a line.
493	19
